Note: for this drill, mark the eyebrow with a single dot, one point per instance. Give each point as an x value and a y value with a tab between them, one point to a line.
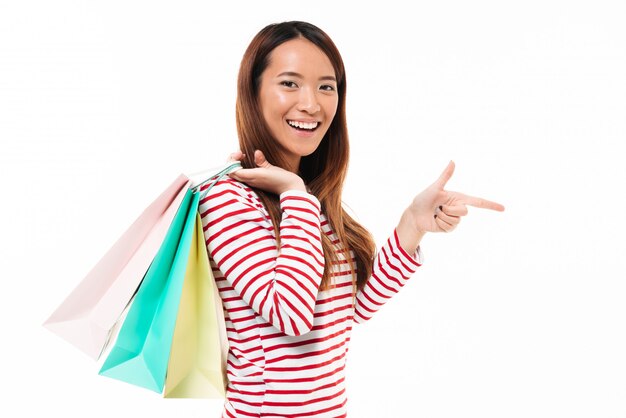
294	74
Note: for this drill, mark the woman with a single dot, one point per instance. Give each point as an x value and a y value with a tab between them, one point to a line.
293	268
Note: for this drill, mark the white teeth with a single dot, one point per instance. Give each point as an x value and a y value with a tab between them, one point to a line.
303	125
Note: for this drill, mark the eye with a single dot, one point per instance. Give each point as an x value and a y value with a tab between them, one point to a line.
289	84
327	87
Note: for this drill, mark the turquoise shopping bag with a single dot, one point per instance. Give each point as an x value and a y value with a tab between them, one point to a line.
141	352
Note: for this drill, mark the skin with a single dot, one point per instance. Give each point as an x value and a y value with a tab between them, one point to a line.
298	85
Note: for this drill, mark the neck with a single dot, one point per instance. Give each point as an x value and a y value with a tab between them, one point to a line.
293	165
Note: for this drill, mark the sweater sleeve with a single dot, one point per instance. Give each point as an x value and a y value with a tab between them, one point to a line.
280	284
392	269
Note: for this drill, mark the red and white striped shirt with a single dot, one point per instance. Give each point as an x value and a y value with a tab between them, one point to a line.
288	340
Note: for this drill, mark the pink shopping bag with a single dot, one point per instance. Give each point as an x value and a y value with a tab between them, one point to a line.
88	314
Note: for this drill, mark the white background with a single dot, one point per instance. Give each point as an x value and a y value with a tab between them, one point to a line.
514	314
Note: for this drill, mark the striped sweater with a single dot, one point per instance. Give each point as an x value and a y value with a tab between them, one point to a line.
288	340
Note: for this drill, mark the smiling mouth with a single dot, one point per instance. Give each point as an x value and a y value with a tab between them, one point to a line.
303	126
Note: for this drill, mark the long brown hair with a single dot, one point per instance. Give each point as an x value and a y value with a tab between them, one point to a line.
325	169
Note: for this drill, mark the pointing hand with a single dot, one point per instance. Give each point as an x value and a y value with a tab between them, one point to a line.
438	210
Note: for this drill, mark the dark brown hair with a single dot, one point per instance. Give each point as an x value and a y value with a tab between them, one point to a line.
325	169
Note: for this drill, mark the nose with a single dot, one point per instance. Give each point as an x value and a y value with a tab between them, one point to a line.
308	101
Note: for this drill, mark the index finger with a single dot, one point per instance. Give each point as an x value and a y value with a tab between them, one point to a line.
479	202
235	156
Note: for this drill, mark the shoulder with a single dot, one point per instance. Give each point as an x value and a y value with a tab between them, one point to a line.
228	191
227	185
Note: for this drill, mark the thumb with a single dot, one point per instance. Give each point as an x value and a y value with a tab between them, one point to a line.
260	160
445	176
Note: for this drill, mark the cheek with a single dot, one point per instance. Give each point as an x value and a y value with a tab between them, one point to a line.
330	108
273	110
273	104
280	102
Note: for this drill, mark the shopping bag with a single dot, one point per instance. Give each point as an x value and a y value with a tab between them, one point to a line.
197	364
86	317
141	352
142	348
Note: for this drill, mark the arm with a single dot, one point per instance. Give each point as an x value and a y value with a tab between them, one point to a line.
433	210
393	267
409	236
281	285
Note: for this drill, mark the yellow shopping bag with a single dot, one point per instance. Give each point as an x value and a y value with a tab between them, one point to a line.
197	363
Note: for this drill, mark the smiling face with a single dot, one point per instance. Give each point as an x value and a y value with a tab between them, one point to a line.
298	97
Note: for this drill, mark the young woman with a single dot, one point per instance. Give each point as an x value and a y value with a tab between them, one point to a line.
294	270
